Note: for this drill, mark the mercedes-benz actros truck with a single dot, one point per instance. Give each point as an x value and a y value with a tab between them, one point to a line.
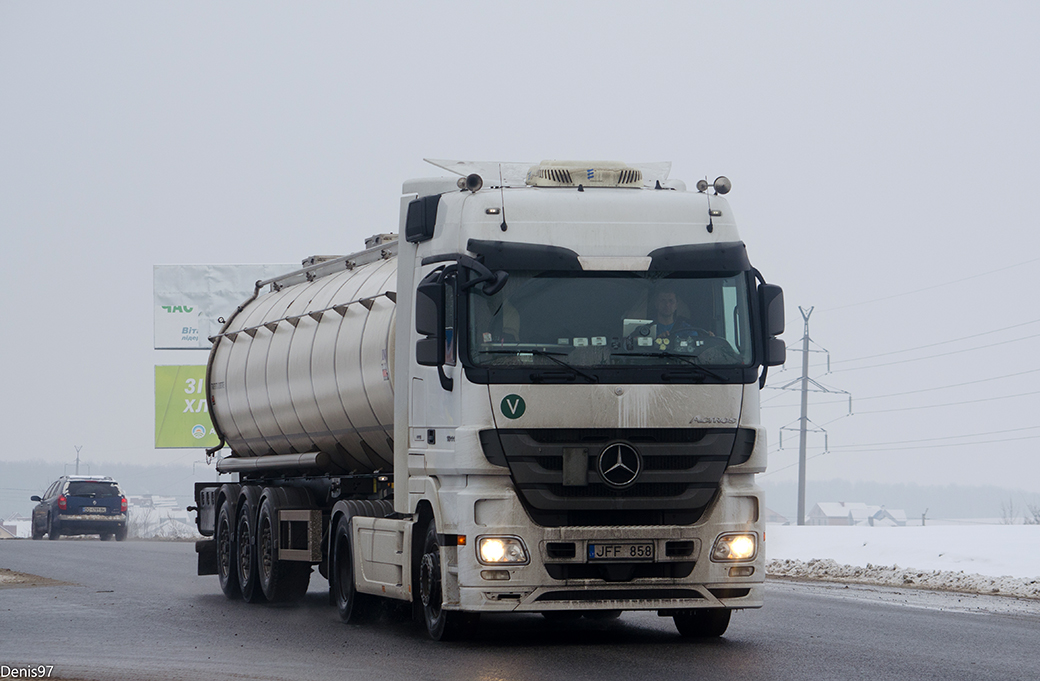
540	395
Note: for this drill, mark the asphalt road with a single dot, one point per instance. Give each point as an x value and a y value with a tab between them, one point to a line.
136	610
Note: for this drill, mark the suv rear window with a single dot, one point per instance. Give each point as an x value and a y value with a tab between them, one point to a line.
88	488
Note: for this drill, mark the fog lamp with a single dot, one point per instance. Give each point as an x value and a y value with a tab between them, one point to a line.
498	550
730	547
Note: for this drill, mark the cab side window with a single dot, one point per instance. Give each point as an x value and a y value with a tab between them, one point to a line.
449	320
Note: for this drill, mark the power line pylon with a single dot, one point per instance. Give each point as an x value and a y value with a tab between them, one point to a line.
803	422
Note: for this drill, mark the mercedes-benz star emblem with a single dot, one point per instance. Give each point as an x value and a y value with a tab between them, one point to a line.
619	464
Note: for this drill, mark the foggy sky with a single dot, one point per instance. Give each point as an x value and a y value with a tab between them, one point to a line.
883	159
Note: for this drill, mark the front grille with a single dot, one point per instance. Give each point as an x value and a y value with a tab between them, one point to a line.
619	572
558	479
619	595
646	491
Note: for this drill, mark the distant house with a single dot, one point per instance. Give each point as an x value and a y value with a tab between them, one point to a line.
774	518
17	525
843	513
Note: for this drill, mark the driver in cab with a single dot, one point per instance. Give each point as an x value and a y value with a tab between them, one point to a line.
667	322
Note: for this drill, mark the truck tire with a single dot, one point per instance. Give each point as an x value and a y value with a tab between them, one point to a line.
441	624
227	550
353	606
282	581
245	544
702	622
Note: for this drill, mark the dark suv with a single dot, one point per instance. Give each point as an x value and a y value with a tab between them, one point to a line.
80	504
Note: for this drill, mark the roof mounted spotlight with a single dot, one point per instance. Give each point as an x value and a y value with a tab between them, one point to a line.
722	185
472	182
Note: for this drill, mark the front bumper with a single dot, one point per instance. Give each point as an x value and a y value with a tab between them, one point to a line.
562	576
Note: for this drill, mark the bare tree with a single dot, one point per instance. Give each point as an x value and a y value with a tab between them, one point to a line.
1034	511
1008	512
140	522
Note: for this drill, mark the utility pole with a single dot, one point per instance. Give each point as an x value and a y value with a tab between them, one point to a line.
804	420
78	447
807	385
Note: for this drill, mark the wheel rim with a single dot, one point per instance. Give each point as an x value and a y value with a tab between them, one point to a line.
245	553
224	548
266	548
344	571
430	583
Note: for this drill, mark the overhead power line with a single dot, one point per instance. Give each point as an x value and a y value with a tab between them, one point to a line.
938	439
934	286
901	449
932	345
948	404
943	354
913	392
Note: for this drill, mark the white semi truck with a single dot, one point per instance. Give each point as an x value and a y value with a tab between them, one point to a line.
543	398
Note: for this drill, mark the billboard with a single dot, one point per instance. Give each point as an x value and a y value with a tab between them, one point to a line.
189	299
181	411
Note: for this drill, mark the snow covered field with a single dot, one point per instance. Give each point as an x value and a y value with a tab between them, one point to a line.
989	559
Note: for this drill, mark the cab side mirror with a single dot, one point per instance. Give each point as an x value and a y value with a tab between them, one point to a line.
429	322
771	305
772	298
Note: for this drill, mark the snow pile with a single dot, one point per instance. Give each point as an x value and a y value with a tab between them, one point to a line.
939	580
1001	560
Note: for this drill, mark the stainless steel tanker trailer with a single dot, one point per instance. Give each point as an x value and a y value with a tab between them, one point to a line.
544	398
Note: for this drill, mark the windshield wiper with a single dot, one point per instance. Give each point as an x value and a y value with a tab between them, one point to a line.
692	361
548	355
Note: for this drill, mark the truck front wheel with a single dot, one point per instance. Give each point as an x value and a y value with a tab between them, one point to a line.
702	622
352	605
441	624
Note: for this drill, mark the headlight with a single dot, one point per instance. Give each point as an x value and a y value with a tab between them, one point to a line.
731	547
501	550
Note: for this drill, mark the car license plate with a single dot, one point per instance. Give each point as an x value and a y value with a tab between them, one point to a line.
622	551
95	509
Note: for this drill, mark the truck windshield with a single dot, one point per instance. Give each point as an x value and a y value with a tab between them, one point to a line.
585	320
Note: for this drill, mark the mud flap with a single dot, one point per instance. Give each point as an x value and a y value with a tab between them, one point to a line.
207	550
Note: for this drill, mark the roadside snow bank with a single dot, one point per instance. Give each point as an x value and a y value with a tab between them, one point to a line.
938	580
986	559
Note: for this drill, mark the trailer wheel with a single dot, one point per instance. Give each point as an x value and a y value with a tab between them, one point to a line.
441	624
281	581
702	622
353	606
245	543
227	571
